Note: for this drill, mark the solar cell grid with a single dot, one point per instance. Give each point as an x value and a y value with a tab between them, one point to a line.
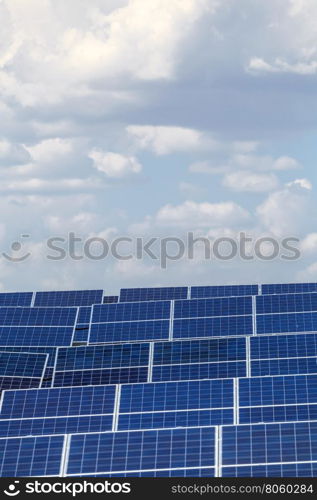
102	356
286	303
283	323
101	377
131	311
283	346
289	288
50	351
68	298
15	364
229	306
129	331
199	371
148	294
198	292
280	470
37	336
32	456
212	327
146	450
22	299
31	316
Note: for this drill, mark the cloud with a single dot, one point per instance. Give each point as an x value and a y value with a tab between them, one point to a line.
113	165
201	214
12	154
285	212
50	150
257	64
164	140
204	167
250	181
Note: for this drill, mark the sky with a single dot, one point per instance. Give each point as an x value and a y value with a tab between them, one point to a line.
156	119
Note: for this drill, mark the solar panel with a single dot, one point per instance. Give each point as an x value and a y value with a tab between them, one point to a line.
284	413
280	470
296	302
102	356
208	472
213	327
204	308
129	331
199	371
259	444
131	311
101	377
36	336
15	364
110	299
50	351
200	292
22	299
31	456
289	288
83	317
283	323
283	346
283	366
148	294
37	316
141	451
68	298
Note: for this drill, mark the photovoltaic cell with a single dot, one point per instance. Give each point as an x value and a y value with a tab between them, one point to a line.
200	292
36	336
199	371
18	382
213	327
22	299
286	303
280	470
100	377
289	288
50	351
283	366
200	351
146	450
129	331
203	308
102	356
283	346
131	311
14	364
269	443
31	456
283	323
68	298
291	413
37	316
148	294
68	401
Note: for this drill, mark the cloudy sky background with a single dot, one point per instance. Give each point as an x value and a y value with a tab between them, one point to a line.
154	118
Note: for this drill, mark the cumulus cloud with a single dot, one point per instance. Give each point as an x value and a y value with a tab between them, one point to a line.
250	181
164	140
114	165
12	154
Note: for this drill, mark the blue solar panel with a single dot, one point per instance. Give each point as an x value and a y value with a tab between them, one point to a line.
131	311
170	419
129	331
47	377
32	456
84	313
137	451
18	382
36	336
286	303
289	288
176	396
22	299
68	401
102	356
15	364
110	299
269	443
50	351
280	470
213	327
203	308
101	377
147	294
51	426
37	316
283	366
199	371
81	334
68	298
292	413
283	346
201	292
278	390
210	472
199	351
283	323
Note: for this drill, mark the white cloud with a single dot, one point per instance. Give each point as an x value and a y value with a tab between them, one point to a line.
285	212
12	154
204	167
250	181
280	66
201	214
309	244
164	140
113	165
50	150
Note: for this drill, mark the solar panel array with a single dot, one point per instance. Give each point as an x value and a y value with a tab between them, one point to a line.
202	381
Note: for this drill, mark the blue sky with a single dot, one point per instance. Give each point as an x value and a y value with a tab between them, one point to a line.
137	118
